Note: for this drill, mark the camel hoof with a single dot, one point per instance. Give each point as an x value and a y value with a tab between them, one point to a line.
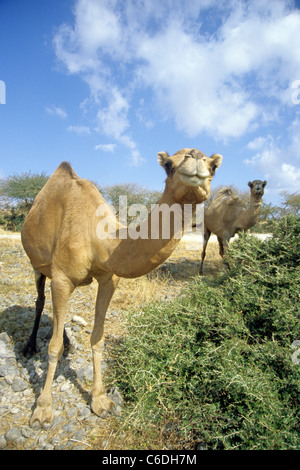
42	414
30	349
103	406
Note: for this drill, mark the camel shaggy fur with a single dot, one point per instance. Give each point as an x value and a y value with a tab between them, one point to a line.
228	214
62	240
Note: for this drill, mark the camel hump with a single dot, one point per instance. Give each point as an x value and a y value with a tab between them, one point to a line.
65	167
225	192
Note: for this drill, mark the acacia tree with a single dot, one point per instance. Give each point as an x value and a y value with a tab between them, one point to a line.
291	203
17	193
135	194
23	188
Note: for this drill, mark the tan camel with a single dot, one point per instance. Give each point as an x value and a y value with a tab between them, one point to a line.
228	214
61	236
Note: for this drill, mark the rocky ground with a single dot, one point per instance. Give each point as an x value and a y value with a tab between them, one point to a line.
74	425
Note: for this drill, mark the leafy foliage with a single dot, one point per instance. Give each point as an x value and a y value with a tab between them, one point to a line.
216	362
23	187
19	192
291	203
13	219
134	193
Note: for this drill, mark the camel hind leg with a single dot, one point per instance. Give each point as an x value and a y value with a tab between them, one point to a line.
30	348
206	236
40	281
221	246
224	242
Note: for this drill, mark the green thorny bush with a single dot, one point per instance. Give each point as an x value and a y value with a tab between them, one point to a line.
216	363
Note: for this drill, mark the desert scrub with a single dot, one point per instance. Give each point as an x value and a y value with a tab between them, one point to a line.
216	362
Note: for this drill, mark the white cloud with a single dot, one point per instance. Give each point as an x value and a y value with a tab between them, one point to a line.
56	111
80	130
277	160
259	142
219	67
106	147
113	120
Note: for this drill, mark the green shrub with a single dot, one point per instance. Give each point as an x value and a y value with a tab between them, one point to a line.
216	362
14	219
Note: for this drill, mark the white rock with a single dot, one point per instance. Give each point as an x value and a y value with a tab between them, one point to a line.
79	320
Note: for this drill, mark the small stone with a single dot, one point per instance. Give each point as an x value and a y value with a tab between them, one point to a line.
85	373
115	396
79	435
49	447
56	441
20	441
69	428
36	426
57	421
7	370
42	440
19	385
2	442
12	434
27	432
84	413
4	351
72	412
15	411
4	337
79	320
66	386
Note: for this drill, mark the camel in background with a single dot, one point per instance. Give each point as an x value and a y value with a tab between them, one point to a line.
228	214
62	239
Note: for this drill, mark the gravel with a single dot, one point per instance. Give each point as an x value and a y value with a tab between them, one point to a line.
21	379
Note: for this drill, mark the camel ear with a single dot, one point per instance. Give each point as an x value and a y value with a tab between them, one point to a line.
165	161
250	184
264	183
216	160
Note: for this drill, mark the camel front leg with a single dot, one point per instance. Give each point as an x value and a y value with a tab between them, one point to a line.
61	291
101	404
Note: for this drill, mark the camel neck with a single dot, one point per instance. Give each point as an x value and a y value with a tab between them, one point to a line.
145	246
252	212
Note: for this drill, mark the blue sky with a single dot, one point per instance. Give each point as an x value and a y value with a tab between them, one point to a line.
106	84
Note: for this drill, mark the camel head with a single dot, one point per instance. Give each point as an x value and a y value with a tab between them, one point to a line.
189	173
257	188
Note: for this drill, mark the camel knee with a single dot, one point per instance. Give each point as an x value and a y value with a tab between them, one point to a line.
96	337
